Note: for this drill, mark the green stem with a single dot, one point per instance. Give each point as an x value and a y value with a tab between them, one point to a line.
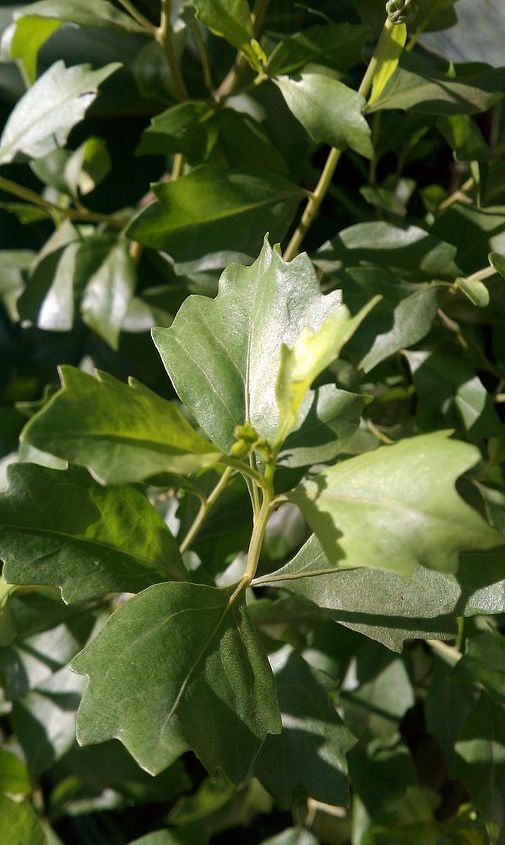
231	79
485	273
56	211
205	509
314	202
164	37
245	469
138	16
257	537
448	653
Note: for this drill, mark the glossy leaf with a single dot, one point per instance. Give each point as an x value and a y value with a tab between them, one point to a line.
390	49
187	657
338	45
224	355
121	432
366	512
61	527
308	757
208	217
391	608
108	293
43	118
231	19
95	13
329	110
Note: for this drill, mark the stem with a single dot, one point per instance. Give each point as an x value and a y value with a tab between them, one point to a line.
163	35
53	210
314	202
138	16
485	273
205	509
458	196
257	537
245	469
177	166
448	653
231	79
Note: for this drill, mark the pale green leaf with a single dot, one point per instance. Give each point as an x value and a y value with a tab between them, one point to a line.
498	262
390	49
367	512
108	293
62	528
313	350
187	657
330	111
41	121
224	355
14	775
121	432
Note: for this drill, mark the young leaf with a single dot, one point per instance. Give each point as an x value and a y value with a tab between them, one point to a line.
209	217
308	757
330	111
94	13
224	355
62	528
187	658
367	512
121	432
108	293
392	608
29	35
388	53
41	121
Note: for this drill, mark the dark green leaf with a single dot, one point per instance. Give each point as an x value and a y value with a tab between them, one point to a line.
231	19
464	137
392	608
308	757
213	692
63	528
484	663
209	217
330	111
95	13
121	432
338	45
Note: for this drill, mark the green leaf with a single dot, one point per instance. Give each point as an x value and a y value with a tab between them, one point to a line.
332	418
30	34
213	692
94	13
62	528
480	763
464	137
308	757
87	166
14	776
179	129
409	251
498	262
13	263
414	88
224	355
108	293
472	36
450	391
230	19
122	432
41	121
313	350
338	45
475	232
366	511
19	823
292	836
484	663
391	608
209	217
388	53
330	111
476	291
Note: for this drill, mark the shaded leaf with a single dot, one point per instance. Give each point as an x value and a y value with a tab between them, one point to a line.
231	19
95	13
309	757
213	692
61	527
336	44
391	608
484	663
121	432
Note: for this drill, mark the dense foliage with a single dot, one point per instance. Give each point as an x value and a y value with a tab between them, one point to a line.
253	527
